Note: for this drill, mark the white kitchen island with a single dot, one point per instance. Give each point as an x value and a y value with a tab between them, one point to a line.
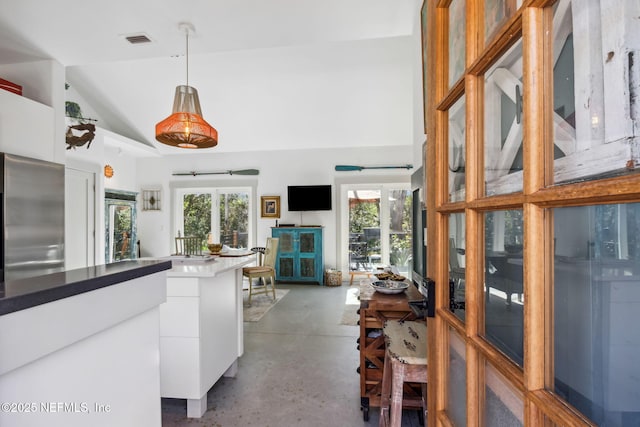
201	328
81	347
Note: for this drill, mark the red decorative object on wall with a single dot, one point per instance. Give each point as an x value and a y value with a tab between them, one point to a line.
11	87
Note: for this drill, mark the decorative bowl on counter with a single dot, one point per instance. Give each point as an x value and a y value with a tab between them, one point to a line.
215	248
389	286
387	275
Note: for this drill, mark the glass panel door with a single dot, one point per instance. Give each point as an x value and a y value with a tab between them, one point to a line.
120	221
504	290
222	212
503	124
457	378
547	207
400	230
503	403
197	217
597	304
457	34
286	254
307	254
457	264
496	12
457	144
120	247
379	227
586	147
364	229
233	219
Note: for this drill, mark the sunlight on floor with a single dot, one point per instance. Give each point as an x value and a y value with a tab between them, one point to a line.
352	296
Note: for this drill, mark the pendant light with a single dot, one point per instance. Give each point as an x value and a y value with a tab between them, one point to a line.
185	127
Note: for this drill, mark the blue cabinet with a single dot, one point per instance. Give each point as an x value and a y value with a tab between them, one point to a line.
299	254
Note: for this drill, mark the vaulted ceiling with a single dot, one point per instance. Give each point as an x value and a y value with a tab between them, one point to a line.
271	74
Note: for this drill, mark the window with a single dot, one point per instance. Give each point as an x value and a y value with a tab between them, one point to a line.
379	230
120	221
504	291
596	304
503	123
457	135
221	212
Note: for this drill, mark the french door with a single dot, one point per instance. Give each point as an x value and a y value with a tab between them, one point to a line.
221	212
379	226
533	211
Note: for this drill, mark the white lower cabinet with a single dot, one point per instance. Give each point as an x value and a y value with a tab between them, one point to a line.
200	335
86	360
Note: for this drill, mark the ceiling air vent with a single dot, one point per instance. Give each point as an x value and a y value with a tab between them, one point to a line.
137	38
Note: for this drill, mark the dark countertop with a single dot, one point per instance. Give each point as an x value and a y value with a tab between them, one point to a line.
20	294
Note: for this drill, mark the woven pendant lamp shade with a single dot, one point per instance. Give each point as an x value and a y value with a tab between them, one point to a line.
186	128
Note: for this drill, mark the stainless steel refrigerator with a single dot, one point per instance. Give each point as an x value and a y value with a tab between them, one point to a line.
32	207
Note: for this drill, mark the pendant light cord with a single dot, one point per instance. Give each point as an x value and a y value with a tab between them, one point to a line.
187	31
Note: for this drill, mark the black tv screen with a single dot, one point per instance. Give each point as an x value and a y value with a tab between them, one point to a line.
309	197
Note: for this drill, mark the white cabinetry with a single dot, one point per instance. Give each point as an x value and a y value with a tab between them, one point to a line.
200	332
87	360
27	128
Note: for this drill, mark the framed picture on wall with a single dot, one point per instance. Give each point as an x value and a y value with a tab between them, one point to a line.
270	206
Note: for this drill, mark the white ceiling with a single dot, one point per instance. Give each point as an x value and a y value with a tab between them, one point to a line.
271	74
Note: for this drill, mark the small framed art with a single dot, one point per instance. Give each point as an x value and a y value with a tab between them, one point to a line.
151	199
270	206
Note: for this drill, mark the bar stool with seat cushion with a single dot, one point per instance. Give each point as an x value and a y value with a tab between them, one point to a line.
405	361
265	271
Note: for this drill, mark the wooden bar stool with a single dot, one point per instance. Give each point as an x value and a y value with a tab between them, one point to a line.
405	361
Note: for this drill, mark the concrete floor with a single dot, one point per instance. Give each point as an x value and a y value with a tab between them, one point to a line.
298	369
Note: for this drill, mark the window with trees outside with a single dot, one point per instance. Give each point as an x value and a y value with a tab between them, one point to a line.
379	227
221	212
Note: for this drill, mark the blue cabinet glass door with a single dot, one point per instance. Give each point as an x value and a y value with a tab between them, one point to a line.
299	254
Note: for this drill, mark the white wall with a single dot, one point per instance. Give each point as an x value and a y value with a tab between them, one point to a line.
34	126
417	88
88	112
124	170
360	93
367	94
356	93
300	167
121	154
92	160
278	169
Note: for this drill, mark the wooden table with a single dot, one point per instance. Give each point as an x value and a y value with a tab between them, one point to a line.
375	308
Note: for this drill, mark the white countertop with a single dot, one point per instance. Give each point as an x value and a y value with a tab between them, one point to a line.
187	268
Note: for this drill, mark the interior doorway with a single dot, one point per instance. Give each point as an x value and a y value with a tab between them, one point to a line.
120	226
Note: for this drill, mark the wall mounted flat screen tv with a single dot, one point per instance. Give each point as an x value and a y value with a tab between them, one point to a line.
309	197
